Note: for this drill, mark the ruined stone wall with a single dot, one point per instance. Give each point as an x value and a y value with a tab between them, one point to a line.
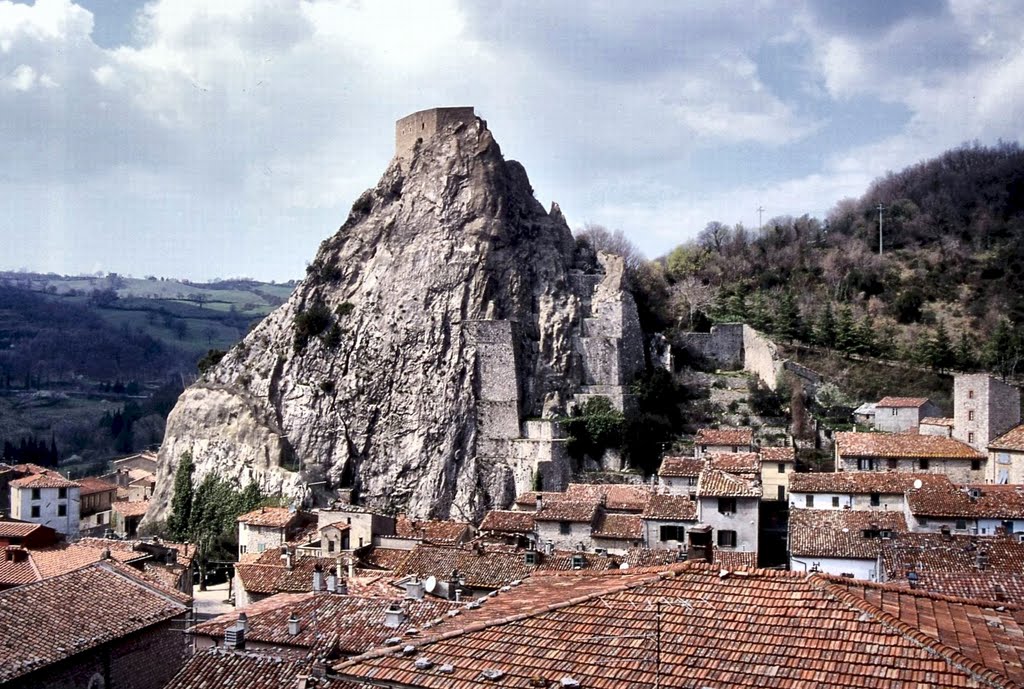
723	345
761	357
425	124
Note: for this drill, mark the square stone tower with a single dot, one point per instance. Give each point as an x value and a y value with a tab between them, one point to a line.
983	409
422	125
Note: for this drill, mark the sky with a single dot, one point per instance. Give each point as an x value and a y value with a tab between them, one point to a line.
202	140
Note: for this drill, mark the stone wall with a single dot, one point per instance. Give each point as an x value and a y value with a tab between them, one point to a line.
958	470
424	125
983	409
761	357
723	345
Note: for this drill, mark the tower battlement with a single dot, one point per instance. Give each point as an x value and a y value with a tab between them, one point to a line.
425	124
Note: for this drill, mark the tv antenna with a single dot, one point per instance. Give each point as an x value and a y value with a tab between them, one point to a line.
880	209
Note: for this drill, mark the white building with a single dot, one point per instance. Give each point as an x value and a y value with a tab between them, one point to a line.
49	499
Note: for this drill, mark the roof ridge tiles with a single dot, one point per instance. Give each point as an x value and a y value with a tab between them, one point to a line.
951	655
918	593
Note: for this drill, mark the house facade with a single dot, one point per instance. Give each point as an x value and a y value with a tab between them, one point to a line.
901	414
983	409
909	452
49	499
1006	457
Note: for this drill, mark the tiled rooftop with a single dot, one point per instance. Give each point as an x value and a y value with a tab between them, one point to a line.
778	454
45	479
984	585
1011	440
617	496
680	467
489	569
272	576
56	618
937	421
529	500
508	522
947	500
671	507
716	483
628	527
860	482
434	531
91	485
130	509
902	402
958	554
724	436
279	517
566	510
214	668
903	445
840	533
735	462
14	528
694	626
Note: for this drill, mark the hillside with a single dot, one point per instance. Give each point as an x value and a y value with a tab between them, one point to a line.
947	292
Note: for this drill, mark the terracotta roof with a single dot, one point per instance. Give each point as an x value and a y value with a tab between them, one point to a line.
216	667
432	531
185	551
735	462
947	500
778	454
840	533
60	617
629	527
16	573
986	585
671	508
58	560
564	510
735	559
903	402
91	485
269	516
49	479
1011	440
130	509
491	569
508	521
616	496
933	552
716	483
270	575
355	622
860	482
680	467
724	436
384	558
937	421
15	528
903	445
529	500
750	629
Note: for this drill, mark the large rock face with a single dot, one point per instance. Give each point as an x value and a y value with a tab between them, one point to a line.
447	310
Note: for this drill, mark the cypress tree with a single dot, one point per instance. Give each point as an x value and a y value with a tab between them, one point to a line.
825	329
846	336
180	520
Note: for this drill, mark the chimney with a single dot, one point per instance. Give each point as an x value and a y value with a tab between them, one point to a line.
293	625
105	554
540	502
243	621
332	580
342	587
999	593
454	584
286	555
318	577
414	589
946	535
351	567
234	637
549	547
394	616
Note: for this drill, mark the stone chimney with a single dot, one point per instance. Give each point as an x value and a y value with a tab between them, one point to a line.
332	580
293	625
342	589
234	637
946	534
318	578
414	589
540	502
286	555
394	616
243	621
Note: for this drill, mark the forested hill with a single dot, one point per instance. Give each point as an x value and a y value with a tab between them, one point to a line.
947	291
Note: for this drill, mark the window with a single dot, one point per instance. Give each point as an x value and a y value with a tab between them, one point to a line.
727	505
970	437
330	546
970	415
782	492
922	464
62	493
835	501
241	548
961	525
671	532
62	510
782	468
735	449
970	394
101	518
975	465
876	499
564	528
35	511
35	494
894	412
691	480
866	464
808	501
923	521
261	547
726	539
892	463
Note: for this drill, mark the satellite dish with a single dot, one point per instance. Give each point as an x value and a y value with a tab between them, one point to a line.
624	565
918	483
429	584
846	530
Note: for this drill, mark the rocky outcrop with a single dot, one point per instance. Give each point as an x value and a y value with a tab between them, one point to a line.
448	310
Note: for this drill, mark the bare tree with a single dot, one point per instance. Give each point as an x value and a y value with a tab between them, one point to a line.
600	238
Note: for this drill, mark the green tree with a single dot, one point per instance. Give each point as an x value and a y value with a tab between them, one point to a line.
846	333
865	342
1003	353
966	359
939	350
180	520
825	328
788	324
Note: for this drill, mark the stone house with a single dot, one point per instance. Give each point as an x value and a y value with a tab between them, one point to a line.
510	527
723	440
678	475
980	509
730	505
125	518
1006	457
47	498
845	543
909	452
901	414
97	498
268	527
934	425
566	524
103	625
617	534
777	466
141	488
983	409
667	520
363	525
856	490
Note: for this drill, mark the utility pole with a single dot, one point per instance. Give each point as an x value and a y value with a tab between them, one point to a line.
880	209
760	210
